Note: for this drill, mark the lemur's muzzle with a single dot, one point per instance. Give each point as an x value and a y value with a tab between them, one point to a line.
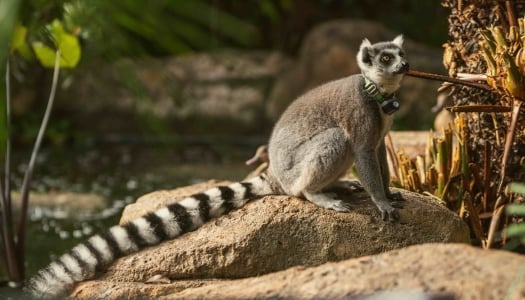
403	68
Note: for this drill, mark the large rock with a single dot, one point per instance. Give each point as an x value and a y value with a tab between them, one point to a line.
278	232
329	52
197	92
434	269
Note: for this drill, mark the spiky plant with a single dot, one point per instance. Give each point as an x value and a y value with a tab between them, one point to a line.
486	39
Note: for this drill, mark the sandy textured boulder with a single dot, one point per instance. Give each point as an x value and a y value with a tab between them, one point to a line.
278	232
435	269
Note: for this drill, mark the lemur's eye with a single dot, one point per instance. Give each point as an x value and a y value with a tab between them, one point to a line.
385	58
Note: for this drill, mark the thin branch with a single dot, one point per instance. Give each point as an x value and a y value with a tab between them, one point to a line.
7	162
480	108
29	172
511	15
509	139
9	254
437	77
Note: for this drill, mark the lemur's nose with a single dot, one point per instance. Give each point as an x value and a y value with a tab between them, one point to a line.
405	66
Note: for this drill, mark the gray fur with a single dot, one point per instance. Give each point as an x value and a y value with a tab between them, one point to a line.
325	131
314	143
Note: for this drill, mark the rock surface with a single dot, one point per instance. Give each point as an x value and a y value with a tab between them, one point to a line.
436	269
272	234
226	87
461	270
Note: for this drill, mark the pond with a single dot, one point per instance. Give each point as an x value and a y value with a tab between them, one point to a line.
117	173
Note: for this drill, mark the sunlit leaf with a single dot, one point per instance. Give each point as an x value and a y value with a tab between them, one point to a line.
70	50
515	209
67	44
514	187
44	54
19	44
8	17
516	230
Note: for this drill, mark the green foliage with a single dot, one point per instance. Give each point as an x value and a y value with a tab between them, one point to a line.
66	43
516	230
64	52
8	16
170	27
40	31
8	13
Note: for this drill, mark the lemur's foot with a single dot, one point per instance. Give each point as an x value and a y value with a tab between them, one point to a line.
352	184
327	200
395	196
388	212
396	199
398	203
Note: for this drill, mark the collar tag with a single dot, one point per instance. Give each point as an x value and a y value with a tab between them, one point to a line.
390	106
389	103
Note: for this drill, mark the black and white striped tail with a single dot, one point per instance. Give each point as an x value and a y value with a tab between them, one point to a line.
85	259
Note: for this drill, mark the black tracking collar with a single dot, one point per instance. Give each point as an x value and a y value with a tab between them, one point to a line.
389	103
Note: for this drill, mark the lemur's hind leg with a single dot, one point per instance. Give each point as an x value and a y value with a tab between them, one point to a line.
327	200
348	184
321	167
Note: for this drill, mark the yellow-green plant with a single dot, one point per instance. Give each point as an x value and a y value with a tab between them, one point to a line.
443	173
505	57
516	231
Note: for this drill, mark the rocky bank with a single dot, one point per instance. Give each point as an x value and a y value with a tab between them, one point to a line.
281	247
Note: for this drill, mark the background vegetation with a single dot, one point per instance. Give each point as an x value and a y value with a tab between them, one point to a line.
113	30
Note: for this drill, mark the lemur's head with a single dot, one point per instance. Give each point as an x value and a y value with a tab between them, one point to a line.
383	63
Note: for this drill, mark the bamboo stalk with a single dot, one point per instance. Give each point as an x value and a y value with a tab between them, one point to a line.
486	176
494	224
473	218
509	139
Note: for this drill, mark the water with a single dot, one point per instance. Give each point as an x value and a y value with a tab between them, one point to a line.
117	173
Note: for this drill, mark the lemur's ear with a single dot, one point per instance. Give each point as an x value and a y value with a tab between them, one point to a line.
364	56
399	40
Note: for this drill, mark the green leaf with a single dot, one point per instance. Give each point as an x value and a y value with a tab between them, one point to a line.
515	209
19	44
516	230
515	187
8	18
70	51
44	54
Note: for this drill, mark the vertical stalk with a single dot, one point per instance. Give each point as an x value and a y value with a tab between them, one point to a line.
29	172
7	190
487	166
8	241
441	167
509	139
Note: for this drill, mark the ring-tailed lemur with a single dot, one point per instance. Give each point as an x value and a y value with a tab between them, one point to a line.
318	137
